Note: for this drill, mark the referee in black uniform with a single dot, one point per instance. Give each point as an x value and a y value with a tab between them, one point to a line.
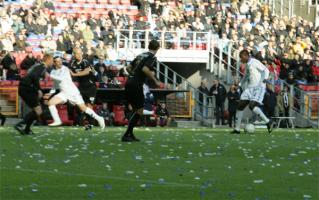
30	92
84	74
140	69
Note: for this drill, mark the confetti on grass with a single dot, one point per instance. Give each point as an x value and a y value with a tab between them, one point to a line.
82	185
258	181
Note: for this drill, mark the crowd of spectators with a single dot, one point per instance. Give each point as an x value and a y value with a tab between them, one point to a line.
290	47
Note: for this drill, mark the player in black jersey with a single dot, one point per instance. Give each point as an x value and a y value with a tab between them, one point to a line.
140	69
83	72
30	92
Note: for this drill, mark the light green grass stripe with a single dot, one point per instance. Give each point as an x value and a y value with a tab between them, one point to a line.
171	184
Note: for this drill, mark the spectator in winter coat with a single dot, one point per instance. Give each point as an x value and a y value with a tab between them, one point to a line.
233	97
219	92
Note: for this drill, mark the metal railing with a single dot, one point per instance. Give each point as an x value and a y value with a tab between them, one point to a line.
187	40
202	106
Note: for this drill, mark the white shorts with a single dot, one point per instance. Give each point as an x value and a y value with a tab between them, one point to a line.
254	94
75	99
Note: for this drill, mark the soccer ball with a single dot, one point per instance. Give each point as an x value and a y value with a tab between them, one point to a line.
249	128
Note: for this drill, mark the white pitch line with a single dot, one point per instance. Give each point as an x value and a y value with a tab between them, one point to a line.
174	184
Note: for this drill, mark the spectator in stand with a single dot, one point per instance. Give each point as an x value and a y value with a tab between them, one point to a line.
13	73
101	51
3	73
104	82
48	45
28	61
62	44
109	72
114	83
8	60
202	100
2	118
219	92
233	97
270	101
163	116
20	43
284	103
100	73
111	52
87	34
105	112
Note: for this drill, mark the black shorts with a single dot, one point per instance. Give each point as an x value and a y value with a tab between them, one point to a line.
134	94
29	96
88	94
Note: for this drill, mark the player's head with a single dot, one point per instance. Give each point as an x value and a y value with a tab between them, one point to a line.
154	46
244	56
47	60
77	52
57	62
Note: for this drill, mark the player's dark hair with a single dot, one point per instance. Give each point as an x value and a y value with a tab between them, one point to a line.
244	52
154	45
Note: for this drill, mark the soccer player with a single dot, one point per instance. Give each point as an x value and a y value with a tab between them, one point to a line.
30	92
68	92
140	69
256	77
84	73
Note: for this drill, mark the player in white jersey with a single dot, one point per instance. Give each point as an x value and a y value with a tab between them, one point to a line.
255	79
68	92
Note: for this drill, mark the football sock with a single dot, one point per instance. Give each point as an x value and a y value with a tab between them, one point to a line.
28	119
91	113
54	113
132	123
239	117
260	113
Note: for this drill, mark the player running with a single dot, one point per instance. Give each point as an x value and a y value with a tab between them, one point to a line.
84	74
140	69
30	92
256	77
68	92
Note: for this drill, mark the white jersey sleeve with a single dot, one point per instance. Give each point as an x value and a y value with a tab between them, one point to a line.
63	79
61	74
256	73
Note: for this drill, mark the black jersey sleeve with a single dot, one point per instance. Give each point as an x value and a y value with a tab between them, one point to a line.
150	62
39	74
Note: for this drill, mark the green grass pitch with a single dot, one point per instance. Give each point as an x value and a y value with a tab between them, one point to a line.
71	163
